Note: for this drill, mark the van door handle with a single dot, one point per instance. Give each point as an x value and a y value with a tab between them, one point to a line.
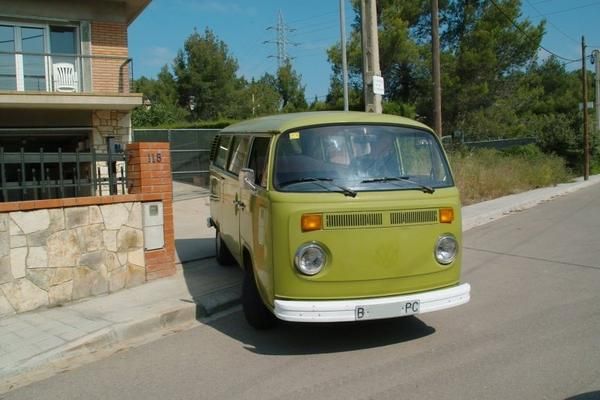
239	204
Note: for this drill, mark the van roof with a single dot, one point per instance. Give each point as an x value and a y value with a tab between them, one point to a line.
284	122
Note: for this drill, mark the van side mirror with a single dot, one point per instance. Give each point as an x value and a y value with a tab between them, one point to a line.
246	179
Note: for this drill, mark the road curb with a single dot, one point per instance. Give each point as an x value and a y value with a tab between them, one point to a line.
104	339
488	211
221	300
117	335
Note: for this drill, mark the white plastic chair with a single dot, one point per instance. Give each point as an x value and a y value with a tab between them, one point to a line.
64	77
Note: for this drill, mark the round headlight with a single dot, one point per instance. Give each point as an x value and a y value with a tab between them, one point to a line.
310	259
446	249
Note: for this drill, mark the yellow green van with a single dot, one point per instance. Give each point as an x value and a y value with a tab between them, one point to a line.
336	216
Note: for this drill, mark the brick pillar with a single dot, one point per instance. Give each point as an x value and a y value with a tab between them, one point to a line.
149	173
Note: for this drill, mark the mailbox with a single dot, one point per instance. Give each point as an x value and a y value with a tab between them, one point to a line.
154	236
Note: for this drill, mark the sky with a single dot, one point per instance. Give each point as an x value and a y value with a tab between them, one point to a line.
248	29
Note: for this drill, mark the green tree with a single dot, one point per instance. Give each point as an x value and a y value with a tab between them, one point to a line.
481	48
259	97
489	44
205	75
554	114
290	89
161	93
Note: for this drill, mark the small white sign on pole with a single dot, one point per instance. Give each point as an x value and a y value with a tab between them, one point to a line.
378	87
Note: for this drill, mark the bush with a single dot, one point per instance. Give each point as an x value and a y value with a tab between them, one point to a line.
157	115
486	174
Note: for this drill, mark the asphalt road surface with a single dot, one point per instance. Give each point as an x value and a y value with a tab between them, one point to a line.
531	331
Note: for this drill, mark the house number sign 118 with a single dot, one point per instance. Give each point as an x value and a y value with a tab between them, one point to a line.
154	158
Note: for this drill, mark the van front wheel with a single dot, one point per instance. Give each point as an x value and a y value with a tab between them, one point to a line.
223	255
256	313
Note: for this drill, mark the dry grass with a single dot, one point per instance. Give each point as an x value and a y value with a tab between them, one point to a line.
487	174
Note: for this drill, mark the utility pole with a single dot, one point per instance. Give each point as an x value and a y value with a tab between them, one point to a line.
344	59
596	55
370	48
586	133
437	85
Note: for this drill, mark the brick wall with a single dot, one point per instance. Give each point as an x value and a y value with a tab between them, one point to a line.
149	173
109	74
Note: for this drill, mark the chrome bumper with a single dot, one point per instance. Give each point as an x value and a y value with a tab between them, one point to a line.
372	308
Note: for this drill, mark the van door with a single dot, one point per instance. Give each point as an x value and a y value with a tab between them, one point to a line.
255	215
231	201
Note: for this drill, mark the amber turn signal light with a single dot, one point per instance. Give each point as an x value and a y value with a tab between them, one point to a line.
311	222
446	215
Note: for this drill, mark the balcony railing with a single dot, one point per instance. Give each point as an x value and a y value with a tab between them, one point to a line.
65	73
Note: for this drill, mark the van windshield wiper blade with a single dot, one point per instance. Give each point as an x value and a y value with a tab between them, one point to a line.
344	190
393	179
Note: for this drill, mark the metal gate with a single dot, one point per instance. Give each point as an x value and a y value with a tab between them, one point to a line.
190	150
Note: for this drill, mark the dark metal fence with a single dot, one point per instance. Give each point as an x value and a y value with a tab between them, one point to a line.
190	150
43	175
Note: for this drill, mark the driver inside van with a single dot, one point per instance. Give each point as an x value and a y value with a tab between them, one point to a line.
381	160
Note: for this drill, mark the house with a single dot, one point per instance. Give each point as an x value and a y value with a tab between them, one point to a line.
65	79
69	228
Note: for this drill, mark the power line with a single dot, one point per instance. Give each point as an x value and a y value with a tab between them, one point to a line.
574	8
316	24
550	22
314	31
525	33
296	21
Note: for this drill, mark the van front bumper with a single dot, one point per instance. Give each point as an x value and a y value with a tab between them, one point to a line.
372	308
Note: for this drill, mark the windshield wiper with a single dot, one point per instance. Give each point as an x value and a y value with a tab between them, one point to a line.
392	180
344	190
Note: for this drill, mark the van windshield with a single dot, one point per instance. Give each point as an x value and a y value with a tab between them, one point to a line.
359	158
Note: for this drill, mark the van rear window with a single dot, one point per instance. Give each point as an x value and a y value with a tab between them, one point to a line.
222	151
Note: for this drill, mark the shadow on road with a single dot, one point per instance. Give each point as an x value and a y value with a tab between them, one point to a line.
300	339
194	249
586	396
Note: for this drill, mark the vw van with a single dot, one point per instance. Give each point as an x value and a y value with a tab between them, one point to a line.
336	216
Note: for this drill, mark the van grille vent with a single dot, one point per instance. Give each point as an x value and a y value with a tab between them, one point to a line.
414	217
333	221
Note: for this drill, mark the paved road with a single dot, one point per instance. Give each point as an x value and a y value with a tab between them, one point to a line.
531	331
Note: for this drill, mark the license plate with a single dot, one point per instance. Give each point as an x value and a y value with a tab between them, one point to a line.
379	311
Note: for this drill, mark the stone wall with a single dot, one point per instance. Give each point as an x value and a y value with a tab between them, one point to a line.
116	124
108	123
53	256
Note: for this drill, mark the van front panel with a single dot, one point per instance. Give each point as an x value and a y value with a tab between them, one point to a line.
377	244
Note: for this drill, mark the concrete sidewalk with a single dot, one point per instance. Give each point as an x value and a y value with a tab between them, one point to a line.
32	341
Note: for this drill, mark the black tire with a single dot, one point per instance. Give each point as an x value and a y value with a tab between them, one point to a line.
223	255
256	313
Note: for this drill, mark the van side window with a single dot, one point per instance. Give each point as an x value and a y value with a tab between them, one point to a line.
258	160
239	151
222	151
